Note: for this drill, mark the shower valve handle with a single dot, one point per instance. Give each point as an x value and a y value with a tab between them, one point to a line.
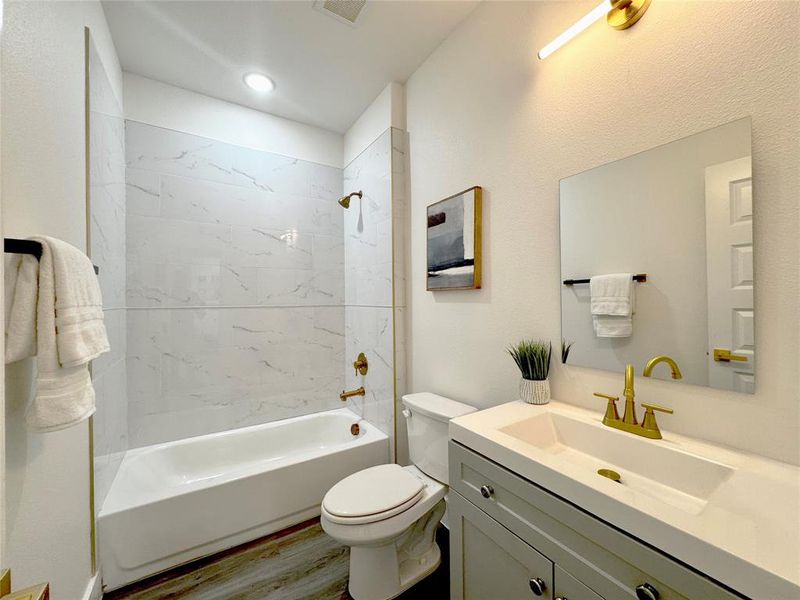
361	365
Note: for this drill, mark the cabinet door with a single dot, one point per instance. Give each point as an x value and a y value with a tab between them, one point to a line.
569	588
488	562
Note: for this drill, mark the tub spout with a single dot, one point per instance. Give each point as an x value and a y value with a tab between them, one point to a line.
350	393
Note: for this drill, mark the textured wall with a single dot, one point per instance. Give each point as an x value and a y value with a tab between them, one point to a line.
235	285
482	110
157	103
107	245
44	191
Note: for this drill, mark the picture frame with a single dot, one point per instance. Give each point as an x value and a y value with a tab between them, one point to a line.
453	238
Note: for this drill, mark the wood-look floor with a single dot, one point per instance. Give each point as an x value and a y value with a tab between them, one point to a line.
299	563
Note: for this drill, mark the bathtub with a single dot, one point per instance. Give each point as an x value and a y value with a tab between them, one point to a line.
174	502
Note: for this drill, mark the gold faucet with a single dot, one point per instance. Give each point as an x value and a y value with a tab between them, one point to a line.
648	369
628	422
629	416
350	393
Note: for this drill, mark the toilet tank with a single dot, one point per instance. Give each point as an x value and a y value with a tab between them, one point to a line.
427	418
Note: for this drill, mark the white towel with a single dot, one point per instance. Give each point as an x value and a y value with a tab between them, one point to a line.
612	304
612	327
21	277
70	333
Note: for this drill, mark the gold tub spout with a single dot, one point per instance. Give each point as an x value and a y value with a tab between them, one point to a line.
648	369
350	393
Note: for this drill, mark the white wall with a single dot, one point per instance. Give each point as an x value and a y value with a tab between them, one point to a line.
387	110
482	110
156	103
43	191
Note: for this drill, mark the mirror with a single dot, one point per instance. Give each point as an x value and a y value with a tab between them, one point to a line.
679	219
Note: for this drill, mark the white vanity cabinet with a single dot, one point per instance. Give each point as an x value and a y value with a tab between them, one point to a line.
511	539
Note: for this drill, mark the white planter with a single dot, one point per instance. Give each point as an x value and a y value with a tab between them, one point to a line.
534	392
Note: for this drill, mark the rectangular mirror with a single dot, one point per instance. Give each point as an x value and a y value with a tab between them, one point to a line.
679	220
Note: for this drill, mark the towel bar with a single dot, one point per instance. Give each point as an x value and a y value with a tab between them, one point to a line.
16	246
641	278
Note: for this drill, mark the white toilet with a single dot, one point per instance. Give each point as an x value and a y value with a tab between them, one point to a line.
388	514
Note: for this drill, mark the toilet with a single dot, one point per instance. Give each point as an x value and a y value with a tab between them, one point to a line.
388	514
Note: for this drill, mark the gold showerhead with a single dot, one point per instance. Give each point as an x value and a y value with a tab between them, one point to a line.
345	201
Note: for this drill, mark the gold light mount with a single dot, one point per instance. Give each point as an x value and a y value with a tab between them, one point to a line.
626	13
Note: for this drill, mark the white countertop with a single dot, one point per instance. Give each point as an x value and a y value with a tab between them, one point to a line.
747	536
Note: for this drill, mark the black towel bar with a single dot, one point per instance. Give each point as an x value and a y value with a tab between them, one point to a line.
16	246
641	278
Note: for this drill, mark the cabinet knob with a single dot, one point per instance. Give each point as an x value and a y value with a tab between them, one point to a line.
646	592
487	491
562	598
537	586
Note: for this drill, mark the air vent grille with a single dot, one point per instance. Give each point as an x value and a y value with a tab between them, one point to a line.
346	11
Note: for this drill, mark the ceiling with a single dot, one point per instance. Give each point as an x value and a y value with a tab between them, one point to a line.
326	72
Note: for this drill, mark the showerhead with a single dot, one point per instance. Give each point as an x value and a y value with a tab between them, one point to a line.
345	201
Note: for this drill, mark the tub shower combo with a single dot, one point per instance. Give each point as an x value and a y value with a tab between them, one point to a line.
257	362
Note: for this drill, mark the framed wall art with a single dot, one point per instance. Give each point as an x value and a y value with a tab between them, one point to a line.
454	242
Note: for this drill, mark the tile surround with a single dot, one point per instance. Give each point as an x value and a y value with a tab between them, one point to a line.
249	290
373	240
235	288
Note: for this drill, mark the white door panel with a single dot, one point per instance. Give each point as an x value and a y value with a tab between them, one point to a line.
729	256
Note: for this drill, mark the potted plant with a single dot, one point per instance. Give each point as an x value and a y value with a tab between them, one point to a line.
533	359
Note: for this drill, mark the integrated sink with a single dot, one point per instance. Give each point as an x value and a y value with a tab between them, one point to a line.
727	513
653	468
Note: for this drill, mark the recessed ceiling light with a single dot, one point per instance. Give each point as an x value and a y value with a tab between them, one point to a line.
259	82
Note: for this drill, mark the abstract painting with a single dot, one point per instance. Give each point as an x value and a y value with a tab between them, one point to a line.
454	242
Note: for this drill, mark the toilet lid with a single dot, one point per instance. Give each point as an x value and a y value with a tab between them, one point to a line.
373	491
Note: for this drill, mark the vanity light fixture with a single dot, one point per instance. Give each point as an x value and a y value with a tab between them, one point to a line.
620	14
259	82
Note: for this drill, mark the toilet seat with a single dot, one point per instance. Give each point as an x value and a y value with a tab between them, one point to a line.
372	495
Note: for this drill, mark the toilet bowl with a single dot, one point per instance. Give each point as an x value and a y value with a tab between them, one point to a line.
388	514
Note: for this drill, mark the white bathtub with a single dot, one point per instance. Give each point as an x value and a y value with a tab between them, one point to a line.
175	502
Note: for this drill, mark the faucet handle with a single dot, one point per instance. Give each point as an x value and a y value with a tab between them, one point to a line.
649	421
611	408
361	365
657	407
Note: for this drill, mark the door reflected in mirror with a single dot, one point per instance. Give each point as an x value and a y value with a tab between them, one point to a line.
677	219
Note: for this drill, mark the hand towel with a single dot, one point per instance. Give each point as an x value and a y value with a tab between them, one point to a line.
21	277
612	294
612	304
70	333
612	327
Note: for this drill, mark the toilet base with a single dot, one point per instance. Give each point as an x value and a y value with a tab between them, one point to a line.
385	571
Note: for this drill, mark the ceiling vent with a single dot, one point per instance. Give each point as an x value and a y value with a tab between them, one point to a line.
345	11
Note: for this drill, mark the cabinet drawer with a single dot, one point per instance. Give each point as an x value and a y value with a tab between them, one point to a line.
569	588
605	559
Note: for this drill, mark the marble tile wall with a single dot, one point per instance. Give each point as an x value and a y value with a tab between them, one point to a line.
400	232
107	249
235	285
374	276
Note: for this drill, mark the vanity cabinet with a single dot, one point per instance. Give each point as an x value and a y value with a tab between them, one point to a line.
510	539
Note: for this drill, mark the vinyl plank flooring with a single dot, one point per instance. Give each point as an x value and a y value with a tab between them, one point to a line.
301	562
298	563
